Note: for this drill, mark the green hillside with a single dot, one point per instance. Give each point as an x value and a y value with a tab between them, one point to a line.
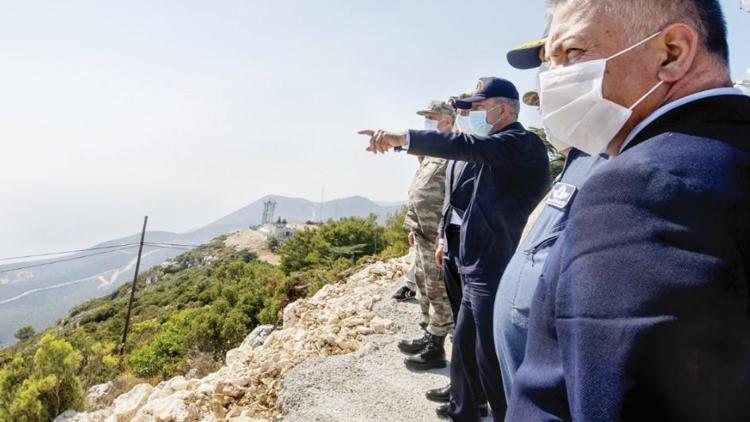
188	313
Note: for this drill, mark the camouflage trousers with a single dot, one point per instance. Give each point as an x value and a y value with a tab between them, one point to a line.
433	298
410	275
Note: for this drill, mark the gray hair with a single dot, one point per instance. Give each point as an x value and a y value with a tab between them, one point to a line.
513	105
644	17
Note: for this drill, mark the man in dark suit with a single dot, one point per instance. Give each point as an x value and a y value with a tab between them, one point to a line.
642	313
459	188
511	176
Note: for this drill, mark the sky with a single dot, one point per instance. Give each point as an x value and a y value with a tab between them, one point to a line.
188	110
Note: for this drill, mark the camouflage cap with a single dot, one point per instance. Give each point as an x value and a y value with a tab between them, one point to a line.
531	98
439	107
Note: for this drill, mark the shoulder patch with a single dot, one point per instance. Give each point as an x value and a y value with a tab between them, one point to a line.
561	195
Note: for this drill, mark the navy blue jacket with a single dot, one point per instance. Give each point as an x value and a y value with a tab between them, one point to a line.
511	176
643	311
459	187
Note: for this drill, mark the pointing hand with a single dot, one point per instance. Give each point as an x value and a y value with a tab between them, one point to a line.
382	141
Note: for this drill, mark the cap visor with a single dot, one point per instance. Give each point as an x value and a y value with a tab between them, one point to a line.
525	58
467	102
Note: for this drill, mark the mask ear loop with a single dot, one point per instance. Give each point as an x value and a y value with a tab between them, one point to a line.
633	47
643	98
493	108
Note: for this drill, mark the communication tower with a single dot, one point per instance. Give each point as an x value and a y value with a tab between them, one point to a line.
269	208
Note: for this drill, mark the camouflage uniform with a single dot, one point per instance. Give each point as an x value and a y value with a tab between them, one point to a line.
423	217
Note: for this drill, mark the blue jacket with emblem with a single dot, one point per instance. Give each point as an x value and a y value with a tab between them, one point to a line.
643	310
511	175
513	297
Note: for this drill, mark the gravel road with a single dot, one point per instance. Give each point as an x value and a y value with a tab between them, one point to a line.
369	385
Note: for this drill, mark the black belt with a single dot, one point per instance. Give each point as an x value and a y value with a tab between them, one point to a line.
453	228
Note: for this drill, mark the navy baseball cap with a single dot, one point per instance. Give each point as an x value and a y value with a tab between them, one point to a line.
490	88
526	56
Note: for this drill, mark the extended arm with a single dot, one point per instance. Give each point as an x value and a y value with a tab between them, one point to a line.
501	149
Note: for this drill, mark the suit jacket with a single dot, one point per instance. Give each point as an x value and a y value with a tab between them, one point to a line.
643	311
459	185
511	176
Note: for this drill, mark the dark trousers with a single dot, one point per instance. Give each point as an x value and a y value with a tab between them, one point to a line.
473	357
468	393
450	269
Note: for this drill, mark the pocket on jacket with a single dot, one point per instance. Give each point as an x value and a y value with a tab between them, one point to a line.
535	258
481	240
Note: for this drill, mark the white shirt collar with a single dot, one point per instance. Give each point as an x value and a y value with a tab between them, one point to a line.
674	104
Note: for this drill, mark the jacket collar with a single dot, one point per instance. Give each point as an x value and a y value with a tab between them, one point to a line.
725	118
513	126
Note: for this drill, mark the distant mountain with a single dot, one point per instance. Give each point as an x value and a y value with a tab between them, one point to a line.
298	210
40	296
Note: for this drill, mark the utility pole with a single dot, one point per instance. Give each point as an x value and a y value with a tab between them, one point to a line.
132	291
322	199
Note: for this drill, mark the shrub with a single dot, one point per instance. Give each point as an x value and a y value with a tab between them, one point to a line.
25	333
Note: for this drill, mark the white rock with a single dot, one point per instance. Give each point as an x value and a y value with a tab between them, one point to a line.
258	336
205	389
99	396
353	322
365	331
240	382
300	335
235	357
381	325
126	406
168	409
290	316
208	417
177	384
72	416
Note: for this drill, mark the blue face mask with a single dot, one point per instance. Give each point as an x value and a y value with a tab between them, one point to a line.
478	122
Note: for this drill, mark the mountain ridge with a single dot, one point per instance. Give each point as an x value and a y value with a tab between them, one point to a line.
44	305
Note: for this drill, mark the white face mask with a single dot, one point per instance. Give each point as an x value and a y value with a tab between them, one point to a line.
558	144
574	110
430	124
462	124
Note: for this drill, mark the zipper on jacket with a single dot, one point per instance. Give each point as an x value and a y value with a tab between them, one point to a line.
543	244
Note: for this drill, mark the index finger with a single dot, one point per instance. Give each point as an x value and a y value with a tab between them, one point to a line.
366	132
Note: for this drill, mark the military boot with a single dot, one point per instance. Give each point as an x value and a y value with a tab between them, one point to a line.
440	395
414	346
432	357
443	411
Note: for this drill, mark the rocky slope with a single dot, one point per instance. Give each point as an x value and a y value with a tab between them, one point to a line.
291	372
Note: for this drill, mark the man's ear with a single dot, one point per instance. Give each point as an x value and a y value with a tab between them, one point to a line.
679	46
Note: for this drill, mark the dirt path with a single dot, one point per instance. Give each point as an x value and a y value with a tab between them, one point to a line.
369	385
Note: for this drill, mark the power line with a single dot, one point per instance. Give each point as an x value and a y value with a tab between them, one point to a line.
171	244
66	252
175	245
178	248
10	270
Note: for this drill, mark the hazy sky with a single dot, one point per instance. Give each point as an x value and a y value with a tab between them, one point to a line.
188	110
